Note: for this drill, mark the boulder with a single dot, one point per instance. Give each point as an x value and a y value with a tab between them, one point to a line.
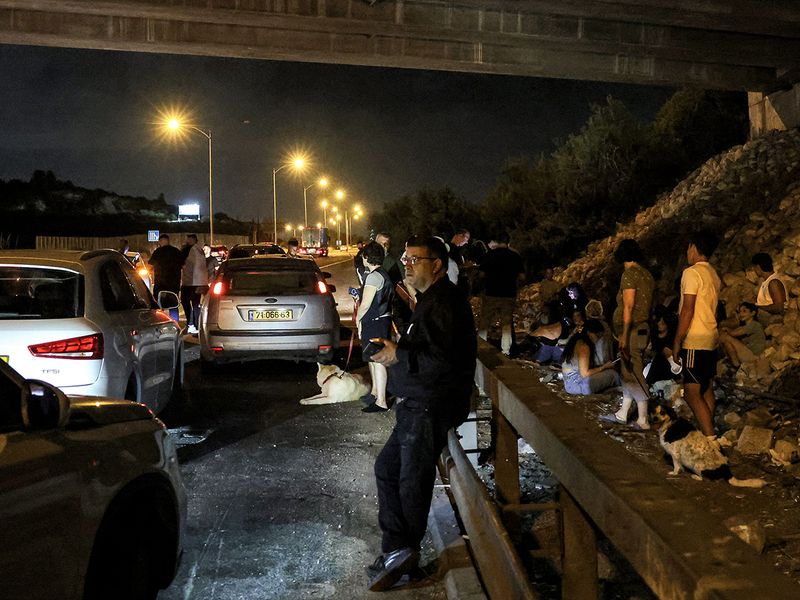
731	435
759	417
754	440
732	420
786	451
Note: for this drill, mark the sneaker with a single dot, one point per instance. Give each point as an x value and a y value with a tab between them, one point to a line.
390	567
192	330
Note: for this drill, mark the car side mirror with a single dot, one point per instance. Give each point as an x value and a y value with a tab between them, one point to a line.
44	406
326	275
332	288
168	300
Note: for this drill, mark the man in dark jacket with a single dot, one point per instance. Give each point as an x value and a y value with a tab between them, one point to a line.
167	261
431	370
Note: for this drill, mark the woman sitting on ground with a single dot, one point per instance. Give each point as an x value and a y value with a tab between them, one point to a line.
580	376
660	368
746	342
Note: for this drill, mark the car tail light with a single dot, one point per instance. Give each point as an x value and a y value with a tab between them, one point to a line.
218	288
83	347
322	288
322	349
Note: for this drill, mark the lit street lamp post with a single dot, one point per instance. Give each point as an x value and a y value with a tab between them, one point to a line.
176	125
324	205
322	182
298	164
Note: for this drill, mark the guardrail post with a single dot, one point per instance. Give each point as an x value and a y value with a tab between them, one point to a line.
506	468
579	562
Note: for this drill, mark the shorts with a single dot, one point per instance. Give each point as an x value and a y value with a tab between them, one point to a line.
699	366
374	328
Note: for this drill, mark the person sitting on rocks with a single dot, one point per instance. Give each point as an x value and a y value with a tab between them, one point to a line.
659	371
550	340
772	298
746	342
603	349
577	366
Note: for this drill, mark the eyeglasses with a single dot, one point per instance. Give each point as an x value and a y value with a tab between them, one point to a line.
412	260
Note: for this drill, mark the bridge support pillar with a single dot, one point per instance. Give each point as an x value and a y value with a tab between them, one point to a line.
778	111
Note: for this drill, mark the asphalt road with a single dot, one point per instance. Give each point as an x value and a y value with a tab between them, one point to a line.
282	498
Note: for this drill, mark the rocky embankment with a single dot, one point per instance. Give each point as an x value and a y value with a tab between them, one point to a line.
750	197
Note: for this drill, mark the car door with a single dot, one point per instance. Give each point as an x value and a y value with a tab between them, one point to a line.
133	346
165	339
40	506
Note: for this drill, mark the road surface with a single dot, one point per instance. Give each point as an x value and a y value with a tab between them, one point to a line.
282	498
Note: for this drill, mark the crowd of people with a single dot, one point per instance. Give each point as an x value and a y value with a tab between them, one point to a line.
662	347
186	271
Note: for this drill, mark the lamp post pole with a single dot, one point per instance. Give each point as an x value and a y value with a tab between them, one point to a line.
207	135
274	208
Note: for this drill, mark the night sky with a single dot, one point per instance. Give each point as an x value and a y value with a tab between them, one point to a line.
379	133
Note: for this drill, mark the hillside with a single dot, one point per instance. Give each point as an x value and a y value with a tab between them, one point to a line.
750	197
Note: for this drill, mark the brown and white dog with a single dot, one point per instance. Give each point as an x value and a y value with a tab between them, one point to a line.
692	450
337	386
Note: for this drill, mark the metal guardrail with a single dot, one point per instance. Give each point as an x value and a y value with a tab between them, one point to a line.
678	549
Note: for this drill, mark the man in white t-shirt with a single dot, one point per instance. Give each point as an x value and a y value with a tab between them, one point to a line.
697	336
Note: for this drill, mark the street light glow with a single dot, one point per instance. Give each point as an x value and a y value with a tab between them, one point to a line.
323	182
324	204
288	227
319	225
339	194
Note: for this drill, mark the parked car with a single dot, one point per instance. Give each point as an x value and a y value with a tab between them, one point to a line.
86	322
248	250
92	505
269	307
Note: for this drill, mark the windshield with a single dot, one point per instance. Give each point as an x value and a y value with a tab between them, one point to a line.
40	293
270	283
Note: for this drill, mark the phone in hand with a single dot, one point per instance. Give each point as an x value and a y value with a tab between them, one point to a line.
374	346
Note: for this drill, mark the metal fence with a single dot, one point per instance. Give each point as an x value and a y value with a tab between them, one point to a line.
137	242
679	549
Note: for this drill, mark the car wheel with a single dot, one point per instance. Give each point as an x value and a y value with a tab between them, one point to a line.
209	367
131	391
133	549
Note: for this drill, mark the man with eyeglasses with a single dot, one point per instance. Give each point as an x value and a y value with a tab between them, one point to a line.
431	372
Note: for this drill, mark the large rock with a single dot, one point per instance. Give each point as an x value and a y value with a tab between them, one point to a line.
754	440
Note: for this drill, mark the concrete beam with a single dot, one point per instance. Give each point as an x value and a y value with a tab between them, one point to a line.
455	36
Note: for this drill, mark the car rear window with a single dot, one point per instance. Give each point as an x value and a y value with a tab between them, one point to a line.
251	282
40	293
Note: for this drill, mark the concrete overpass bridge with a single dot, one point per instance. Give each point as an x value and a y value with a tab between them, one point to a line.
751	45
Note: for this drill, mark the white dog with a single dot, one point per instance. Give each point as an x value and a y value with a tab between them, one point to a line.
337	386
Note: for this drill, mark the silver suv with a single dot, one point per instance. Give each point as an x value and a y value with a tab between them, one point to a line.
269	307
92	504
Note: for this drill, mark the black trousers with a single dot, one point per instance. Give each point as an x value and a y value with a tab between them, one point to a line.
190	299
405	471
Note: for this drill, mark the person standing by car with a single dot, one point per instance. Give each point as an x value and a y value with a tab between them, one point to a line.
431	368
374	319
194	282
167	262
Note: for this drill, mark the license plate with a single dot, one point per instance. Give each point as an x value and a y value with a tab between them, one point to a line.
4	358
273	314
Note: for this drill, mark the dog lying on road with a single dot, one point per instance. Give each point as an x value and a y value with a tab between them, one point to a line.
337	386
690	449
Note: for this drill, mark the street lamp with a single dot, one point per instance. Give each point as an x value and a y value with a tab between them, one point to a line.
174	125
324	205
338	227
297	163
321	182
